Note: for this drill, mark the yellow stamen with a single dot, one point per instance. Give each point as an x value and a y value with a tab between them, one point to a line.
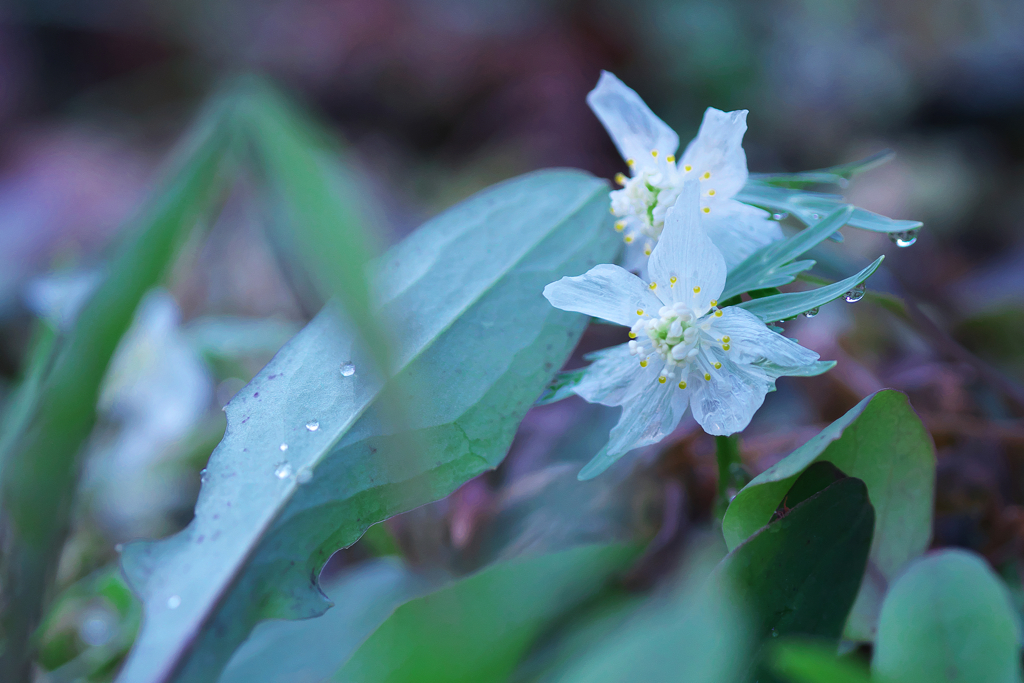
653	285
725	339
707	174
718	366
630	162
639	311
654	153
620	178
707	209
670	158
718	314
672	280
725	347
643	363
713	302
687	168
662	379
632	335
628	239
696	290
620	226
682	385
711	193
707	376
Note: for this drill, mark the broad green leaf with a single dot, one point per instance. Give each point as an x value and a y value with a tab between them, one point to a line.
688	634
311	650
767	267
880	441
477	629
51	420
811	206
948	618
311	458
833	175
782	306
800	574
810	662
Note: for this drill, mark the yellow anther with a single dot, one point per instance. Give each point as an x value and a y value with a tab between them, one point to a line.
687	168
628	239
662	379
696	290
653	285
670	158
711	193
672	280
654	153
707	376
725	339
718	314
620	178
725	347
718	366
620	226
643	363
639	311
706	209
630	162
713	302
682	385
707	174
647	252
611	210
632	335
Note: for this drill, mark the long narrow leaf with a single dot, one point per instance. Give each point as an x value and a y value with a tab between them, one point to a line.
810	206
833	175
39	459
309	459
782	306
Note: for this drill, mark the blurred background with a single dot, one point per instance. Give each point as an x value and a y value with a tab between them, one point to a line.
436	99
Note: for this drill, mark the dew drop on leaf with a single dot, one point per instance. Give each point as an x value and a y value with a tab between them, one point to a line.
284	447
811	313
903	239
202	475
855	294
312	425
780	216
348	368
283	470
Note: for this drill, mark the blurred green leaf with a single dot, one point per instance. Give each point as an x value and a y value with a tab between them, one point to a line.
800	574
810	662
882	442
948	618
477	629
57	411
311	458
767	267
833	175
782	306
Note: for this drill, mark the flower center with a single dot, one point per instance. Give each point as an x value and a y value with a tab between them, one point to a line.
675	336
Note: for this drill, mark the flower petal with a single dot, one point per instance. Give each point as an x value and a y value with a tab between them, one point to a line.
739	230
718	150
750	341
686	253
632	125
648	415
726	403
605	291
610	376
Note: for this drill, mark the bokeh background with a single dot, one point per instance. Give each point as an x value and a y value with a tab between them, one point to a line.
435	99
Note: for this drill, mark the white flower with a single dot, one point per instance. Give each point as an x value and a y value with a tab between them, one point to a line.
685	350
715	158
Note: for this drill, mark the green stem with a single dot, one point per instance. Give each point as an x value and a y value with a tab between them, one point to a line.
730	470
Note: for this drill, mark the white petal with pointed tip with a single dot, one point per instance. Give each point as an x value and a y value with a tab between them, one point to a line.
604	291
718	150
634	128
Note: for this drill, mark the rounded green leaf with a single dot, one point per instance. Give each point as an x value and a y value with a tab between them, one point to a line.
948	618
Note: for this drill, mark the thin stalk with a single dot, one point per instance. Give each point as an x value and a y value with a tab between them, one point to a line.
731	475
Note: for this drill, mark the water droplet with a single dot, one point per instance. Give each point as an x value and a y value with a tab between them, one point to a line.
855	294
811	313
348	368
174	602
775	633
283	470
284	447
903	239
97	626
304	475
815	216
312	425
203	475
119	547
781	216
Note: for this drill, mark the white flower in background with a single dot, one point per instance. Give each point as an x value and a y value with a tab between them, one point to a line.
715	159
685	350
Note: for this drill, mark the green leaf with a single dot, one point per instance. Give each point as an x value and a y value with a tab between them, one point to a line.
809	662
310	650
810	206
800	574
767	267
561	387
948	618
782	306
478	629
880	441
834	175
474	344
53	417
